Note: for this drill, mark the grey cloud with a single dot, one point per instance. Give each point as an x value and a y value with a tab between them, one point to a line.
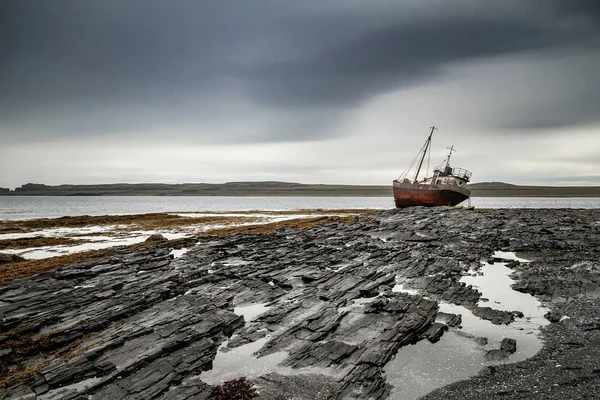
77	68
586	10
407	52
396	56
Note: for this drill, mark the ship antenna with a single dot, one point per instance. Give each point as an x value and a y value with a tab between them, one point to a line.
449	154
426	147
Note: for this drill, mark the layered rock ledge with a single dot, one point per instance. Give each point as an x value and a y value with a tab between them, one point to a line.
143	325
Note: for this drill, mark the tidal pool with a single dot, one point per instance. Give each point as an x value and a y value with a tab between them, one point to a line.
421	368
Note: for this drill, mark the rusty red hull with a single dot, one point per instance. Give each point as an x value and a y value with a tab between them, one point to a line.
410	195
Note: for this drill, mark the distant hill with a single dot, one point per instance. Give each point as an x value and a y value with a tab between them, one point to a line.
274	188
500	189
269	188
491	186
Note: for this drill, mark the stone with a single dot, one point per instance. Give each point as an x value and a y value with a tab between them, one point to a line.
452	320
496	317
155	238
508	345
435	332
481	341
553	317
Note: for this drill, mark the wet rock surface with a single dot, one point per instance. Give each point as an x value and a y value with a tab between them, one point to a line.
142	325
565	273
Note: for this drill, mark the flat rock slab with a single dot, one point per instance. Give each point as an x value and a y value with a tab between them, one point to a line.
142	325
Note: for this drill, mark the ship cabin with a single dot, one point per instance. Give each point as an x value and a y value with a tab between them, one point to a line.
450	176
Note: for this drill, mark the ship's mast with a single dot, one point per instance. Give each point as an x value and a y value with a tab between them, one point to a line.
449	155
427	143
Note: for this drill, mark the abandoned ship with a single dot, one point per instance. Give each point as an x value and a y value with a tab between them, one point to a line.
446	187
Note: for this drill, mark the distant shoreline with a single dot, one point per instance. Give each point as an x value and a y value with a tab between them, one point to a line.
285	189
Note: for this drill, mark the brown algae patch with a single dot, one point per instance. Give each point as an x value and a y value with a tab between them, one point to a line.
24	269
137	221
52	347
164	220
313	211
38	241
55	345
227	225
299	223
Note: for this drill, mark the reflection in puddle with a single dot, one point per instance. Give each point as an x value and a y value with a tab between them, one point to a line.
495	285
62	232
508	255
251	311
104	237
95	242
399	288
241	361
421	368
176	253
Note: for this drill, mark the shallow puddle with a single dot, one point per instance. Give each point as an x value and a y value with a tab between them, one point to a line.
399	288
251	311
421	368
241	361
176	253
495	286
62	232
96	242
71	391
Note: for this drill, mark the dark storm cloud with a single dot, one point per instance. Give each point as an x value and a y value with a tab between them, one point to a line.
106	50
109	67
588	9
398	55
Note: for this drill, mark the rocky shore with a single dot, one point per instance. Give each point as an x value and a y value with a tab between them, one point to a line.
325	310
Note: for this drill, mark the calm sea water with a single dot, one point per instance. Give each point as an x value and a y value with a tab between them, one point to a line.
27	207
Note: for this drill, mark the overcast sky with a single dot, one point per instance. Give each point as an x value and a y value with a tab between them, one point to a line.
311	91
